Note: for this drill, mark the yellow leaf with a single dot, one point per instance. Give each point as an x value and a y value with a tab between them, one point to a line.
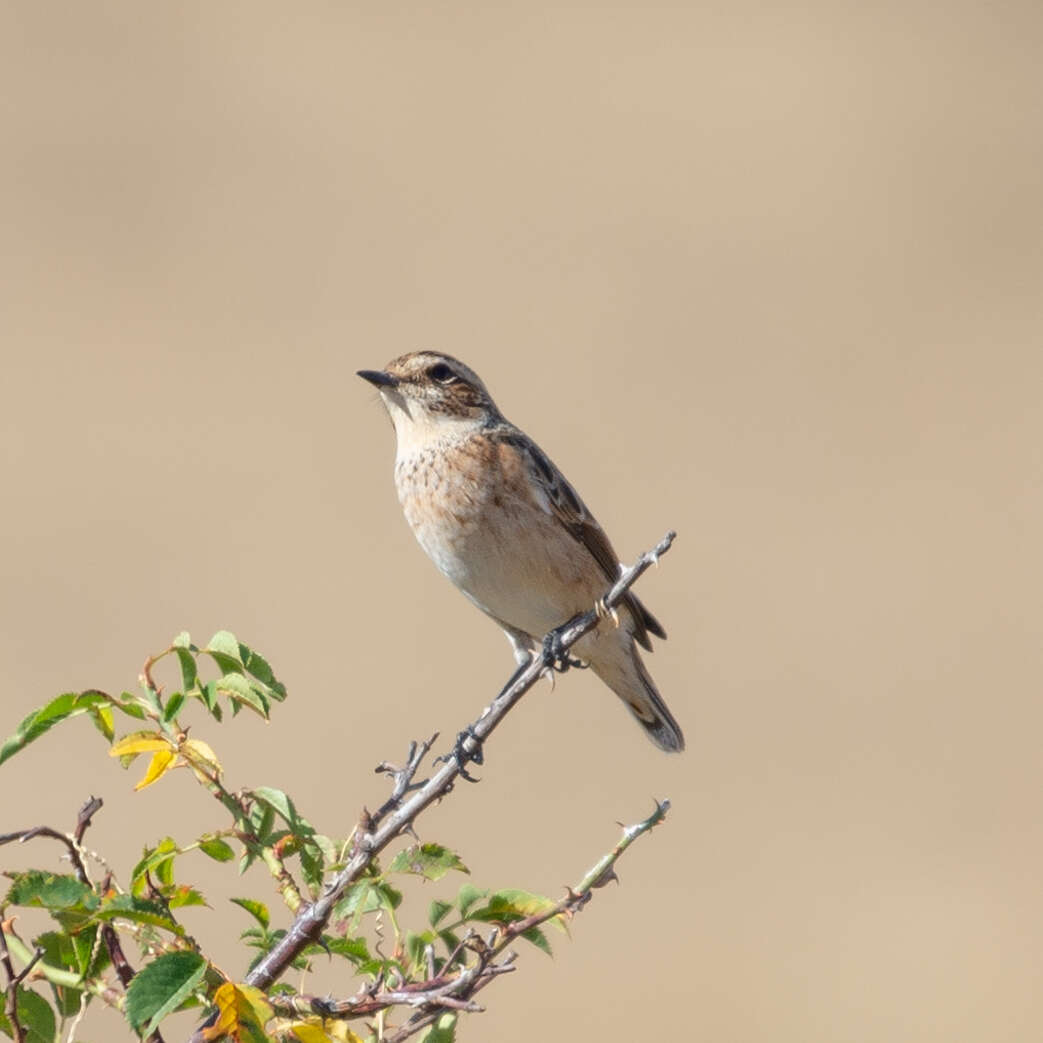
139	742
158	767
307	1032
197	751
340	1033
237	1006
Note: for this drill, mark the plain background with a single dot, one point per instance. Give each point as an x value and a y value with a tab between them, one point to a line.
769	274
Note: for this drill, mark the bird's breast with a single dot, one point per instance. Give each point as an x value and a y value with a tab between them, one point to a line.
473	509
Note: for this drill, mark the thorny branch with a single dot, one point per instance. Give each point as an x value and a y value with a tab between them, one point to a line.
455	992
396	816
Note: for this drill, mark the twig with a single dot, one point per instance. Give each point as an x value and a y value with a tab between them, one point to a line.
575	898
312	918
403	777
440	990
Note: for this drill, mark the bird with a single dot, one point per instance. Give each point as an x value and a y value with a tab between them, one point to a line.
501	521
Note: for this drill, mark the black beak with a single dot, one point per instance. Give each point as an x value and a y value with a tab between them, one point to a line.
379	378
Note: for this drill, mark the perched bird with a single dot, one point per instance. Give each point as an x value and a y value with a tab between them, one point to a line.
500	520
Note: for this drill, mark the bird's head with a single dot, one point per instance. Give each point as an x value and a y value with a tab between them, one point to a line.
425	392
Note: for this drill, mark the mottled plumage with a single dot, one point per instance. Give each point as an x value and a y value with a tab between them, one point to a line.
502	522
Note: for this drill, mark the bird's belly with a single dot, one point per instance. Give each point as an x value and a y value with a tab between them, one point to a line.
504	552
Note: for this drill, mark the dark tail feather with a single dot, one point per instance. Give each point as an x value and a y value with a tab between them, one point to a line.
619	665
662	729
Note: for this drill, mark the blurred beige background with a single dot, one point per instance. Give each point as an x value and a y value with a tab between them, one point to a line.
771	275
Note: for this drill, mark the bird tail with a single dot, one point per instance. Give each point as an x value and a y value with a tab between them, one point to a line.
626	674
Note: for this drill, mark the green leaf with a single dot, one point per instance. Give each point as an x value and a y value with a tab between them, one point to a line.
438	912
258	910
442	1031
431	861
173	705
101	717
354	949
152	858
450	940
160	987
257	666
217	849
367	896
467	896
509	905
244	692
36	1016
208	693
280	803
138	910
311	866
415	944
185	895
71	704
47	890
69	901
58	951
538	938
223	647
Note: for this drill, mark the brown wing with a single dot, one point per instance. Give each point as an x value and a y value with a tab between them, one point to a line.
577	520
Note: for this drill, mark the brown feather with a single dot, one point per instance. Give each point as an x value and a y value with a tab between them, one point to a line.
577	520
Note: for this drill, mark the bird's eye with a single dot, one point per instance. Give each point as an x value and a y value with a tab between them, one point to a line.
442	373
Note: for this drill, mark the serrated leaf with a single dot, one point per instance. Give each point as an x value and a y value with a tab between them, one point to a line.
257	666
160	987
217	849
162	761
311	866
431	861
185	895
510	904
50	891
438	912
258	910
244	692
71	704
354	949
138	910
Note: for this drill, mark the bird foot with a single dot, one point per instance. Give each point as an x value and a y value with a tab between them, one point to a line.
463	756
556	655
